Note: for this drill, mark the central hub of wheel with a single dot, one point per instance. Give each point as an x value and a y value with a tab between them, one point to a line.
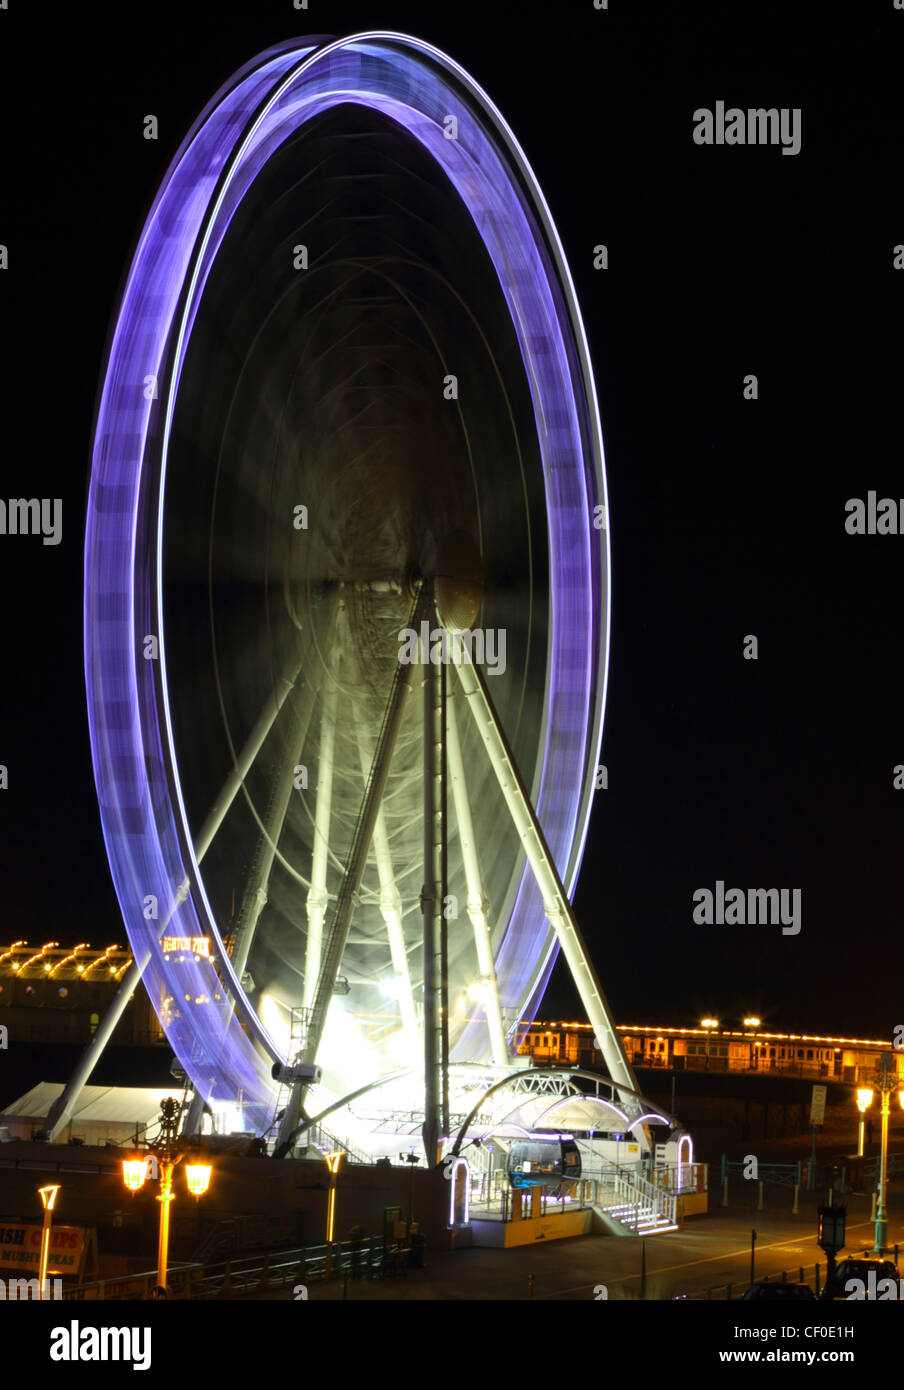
459	581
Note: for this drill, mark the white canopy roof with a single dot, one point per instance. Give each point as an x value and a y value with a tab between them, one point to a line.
126	1104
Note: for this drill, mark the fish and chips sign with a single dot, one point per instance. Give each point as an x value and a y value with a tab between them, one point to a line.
20	1248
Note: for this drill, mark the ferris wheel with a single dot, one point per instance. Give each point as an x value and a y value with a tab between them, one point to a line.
347	587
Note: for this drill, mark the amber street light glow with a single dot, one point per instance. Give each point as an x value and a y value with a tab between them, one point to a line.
197	1175
48	1196
133	1172
864	1101
332	1162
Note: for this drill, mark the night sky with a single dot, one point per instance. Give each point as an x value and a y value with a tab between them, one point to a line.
727	515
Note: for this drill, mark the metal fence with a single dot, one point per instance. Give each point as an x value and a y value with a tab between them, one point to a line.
237	1277
797	1275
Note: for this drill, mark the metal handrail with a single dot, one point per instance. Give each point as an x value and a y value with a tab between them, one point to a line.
246	1272
134	1286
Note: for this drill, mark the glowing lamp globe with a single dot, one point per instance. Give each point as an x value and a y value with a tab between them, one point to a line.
133	1173
197	1175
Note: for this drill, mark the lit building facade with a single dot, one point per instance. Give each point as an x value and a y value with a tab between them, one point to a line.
714	1049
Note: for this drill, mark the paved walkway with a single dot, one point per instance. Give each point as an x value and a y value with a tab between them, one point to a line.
708	1252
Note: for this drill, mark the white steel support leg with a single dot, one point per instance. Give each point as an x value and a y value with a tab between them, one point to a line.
318	899
555	899
391	907
478	907
63	1107
347	897
432	896
60	1112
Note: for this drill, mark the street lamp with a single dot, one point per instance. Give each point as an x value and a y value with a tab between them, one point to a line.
830	1236
886	1081
48	1196
332	1162
411	1159
170	1151
864	1101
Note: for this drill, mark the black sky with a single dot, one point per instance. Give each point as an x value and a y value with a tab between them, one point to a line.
727	516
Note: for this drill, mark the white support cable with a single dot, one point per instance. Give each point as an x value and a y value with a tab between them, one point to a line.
254	897
318	898
390	901
252	747
555	899
478	907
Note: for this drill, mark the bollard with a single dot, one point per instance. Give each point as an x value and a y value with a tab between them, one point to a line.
784	1276
760	1204
725	1192
795	1209
801	1273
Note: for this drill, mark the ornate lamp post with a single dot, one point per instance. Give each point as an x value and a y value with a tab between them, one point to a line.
886	1082
170	1150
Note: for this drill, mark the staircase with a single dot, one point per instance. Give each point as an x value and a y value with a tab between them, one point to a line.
628	1205
321	1138
638	1219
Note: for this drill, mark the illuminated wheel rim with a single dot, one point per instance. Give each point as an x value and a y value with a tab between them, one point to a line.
207	1016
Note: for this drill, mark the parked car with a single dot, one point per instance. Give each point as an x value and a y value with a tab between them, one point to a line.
787	1293
868	1269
